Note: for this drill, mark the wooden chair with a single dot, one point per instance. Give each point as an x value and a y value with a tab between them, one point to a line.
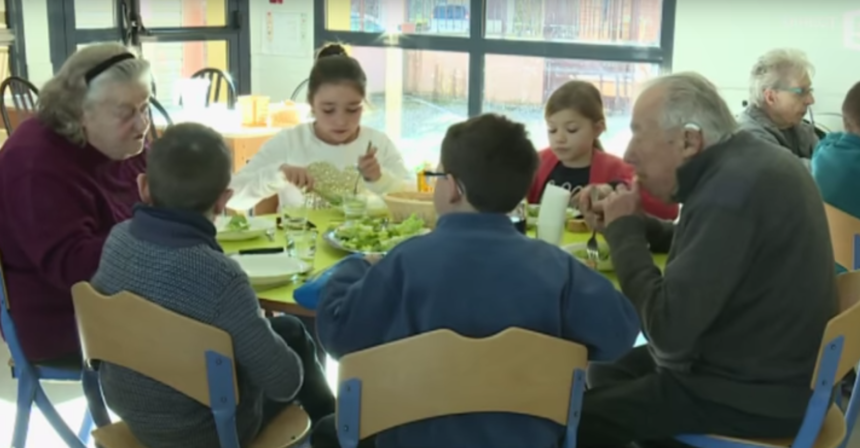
442	373
824	425
845	236
153	129
189	356
300	93
217	78
24	96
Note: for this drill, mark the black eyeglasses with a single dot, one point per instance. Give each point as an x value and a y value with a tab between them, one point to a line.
442	174
435	174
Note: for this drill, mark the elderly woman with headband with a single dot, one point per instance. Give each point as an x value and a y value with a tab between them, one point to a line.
66	177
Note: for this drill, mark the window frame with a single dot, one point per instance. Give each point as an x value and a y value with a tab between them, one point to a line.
14	38
65	36
478	47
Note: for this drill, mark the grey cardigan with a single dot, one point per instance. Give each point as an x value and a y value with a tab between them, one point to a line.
800	140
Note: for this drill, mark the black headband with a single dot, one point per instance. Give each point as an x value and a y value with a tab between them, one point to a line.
99	69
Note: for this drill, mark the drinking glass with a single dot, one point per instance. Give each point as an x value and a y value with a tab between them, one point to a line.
296	215
302	244
354	206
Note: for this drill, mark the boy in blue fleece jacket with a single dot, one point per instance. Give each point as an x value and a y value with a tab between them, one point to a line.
476	275
836	162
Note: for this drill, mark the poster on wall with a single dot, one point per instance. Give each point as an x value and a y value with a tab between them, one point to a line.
285	34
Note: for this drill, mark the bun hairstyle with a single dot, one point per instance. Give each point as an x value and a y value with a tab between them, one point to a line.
334	66
331	50
581	97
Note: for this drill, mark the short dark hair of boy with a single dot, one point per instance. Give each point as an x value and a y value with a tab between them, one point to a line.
494	160
851	106
188	168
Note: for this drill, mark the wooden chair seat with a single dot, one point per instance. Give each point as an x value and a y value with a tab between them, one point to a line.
285	430
832	432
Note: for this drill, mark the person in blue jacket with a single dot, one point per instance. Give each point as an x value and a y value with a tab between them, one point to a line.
836	161
477	275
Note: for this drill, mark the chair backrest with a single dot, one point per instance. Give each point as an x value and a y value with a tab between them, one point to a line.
302	87
845	237
132	332
443	373
217	78
153	129
845	324
24	96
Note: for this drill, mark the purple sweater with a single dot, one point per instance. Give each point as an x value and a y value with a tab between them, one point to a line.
58	201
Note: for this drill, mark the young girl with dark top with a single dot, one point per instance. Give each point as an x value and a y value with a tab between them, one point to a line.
575	158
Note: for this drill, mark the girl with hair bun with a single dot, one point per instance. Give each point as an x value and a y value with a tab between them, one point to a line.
337	88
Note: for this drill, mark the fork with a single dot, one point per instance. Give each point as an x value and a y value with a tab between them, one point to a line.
591	248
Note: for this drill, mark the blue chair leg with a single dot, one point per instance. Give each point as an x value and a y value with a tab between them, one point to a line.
95	402
44	404
26	395
86	427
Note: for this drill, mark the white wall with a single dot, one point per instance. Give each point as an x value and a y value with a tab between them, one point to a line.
276	75
722	40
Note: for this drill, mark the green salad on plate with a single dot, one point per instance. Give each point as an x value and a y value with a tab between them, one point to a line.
376	235
238	223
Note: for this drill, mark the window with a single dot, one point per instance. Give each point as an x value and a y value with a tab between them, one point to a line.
95	14
172	61
414	96
179	36
626	22
459	58
522	94
179	14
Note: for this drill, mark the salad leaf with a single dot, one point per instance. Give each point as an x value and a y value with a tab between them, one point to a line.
238	223
376	235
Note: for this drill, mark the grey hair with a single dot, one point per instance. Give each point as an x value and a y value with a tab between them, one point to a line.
64	97
693	102
776	68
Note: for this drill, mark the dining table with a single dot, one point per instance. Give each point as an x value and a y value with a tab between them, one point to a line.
280	299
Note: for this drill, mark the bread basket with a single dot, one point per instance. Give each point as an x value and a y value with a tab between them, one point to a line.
403	204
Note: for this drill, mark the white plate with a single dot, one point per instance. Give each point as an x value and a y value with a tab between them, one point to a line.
270	270
602	265
259	226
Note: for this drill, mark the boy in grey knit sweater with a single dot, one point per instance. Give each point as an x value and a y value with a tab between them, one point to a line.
167	253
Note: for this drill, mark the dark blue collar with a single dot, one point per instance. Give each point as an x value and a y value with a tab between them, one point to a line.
480	221
172	228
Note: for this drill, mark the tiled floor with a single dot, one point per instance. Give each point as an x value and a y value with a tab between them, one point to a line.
70	403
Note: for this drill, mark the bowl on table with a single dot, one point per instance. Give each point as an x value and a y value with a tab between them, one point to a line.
404	204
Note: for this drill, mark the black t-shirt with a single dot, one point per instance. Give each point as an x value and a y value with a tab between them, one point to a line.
568	178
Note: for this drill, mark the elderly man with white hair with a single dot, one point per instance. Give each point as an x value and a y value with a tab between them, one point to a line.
734	321
780	96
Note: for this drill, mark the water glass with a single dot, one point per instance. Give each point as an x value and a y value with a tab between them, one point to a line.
302	244
354	206
295	216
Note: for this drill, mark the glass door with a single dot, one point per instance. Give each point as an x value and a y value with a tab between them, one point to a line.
74	23
179	37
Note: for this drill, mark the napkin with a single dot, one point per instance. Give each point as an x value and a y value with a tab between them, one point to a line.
552	214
